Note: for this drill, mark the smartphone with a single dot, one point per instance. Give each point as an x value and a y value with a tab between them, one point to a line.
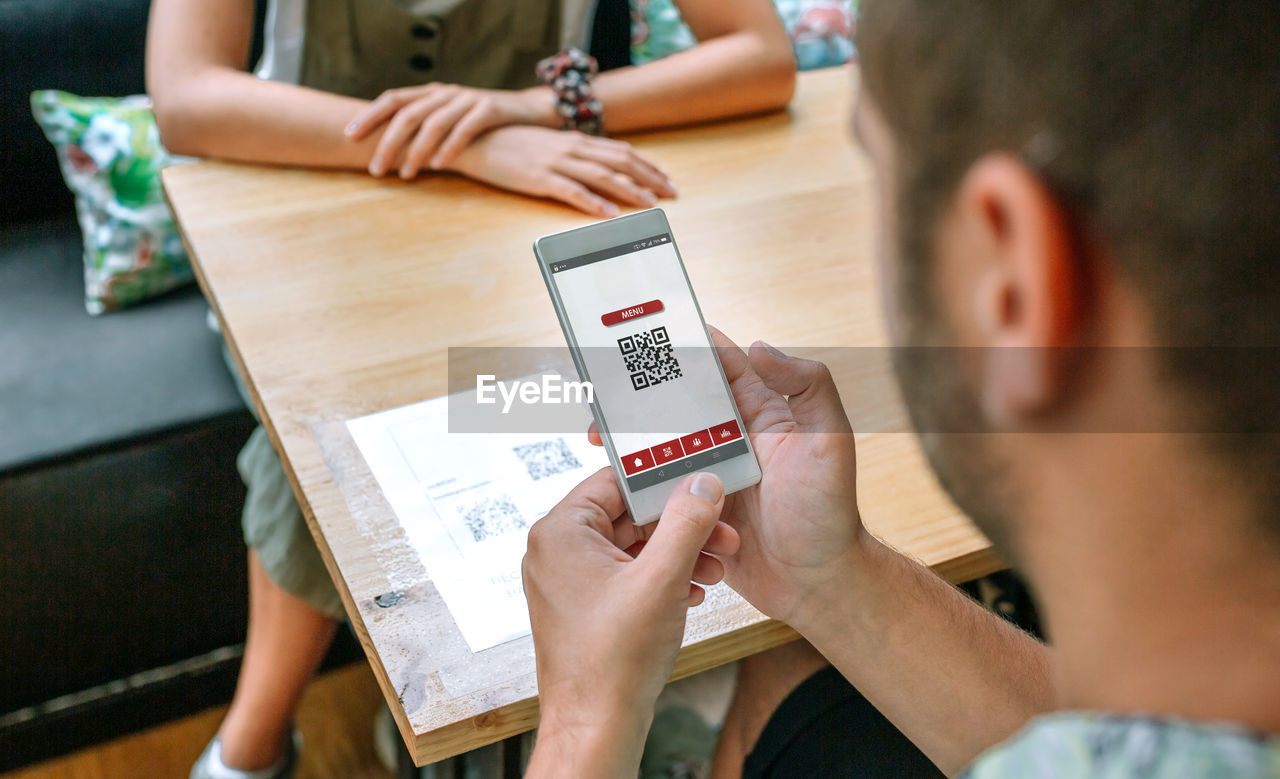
659	394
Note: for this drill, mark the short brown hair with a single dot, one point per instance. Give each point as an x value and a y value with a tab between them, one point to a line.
1157	124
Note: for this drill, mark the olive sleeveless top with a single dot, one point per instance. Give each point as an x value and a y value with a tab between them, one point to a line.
362	47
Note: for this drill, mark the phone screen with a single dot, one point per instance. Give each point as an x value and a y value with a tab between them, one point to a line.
660	394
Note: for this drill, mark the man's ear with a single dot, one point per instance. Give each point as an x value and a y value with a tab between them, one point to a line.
1030	295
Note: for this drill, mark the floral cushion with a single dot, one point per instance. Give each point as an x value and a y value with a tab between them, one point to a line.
821	31
110	153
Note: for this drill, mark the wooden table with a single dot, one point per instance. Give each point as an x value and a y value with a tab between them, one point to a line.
339	295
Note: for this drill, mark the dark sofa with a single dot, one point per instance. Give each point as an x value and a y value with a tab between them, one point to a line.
122	569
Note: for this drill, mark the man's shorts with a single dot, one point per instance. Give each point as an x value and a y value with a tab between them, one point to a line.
826	728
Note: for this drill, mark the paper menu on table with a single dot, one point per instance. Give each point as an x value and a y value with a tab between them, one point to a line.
466	502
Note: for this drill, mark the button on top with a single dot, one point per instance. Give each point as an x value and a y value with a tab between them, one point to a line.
633	312
421	62
423	32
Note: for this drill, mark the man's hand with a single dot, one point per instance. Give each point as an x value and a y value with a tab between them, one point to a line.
573	168
428	126
607	602
799	527
917	648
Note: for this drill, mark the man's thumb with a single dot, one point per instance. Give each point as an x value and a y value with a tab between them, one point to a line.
686	524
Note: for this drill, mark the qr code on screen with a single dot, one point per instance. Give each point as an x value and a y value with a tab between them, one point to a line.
546	458
649	358
491	517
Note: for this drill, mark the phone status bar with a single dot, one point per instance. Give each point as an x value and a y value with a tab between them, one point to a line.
641	244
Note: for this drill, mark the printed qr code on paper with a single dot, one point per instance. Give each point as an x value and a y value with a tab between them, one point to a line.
491	517
649	358
546	458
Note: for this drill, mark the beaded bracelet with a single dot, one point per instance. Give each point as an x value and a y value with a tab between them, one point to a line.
569	75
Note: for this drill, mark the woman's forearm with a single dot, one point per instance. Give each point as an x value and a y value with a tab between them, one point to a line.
730	75
229	114
207	106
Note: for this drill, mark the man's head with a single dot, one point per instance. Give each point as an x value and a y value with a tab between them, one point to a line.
1060	176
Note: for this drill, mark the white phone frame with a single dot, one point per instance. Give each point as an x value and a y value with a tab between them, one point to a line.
644	505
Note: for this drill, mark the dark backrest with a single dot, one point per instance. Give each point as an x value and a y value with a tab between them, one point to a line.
611	34
89	47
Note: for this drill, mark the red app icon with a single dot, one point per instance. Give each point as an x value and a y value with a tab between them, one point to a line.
665	453
725	432
696	442
637	461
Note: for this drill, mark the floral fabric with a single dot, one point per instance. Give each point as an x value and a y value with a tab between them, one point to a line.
1117	747
110	153
821	31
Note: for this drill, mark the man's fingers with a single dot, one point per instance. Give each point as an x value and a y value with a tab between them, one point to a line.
687	520
596	502
627	535
708	570
763	410
810	390
593	435
732	358
724	541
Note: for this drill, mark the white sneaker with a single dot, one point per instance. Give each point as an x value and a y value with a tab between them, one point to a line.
386	740
210	766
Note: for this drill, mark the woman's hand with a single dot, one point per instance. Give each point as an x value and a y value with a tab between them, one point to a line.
430	125
582	171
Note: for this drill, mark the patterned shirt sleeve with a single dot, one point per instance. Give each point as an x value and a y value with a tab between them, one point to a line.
1113	747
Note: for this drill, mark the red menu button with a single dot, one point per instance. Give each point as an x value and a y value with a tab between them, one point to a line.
665	453
631	312
725	432
696	442
637	461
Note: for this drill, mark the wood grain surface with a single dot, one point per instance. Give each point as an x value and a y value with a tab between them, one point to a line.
340	295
